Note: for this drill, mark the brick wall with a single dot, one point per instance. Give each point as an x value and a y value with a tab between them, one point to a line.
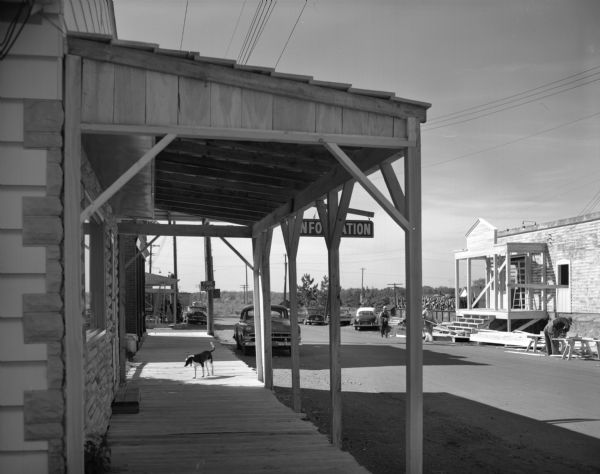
101	351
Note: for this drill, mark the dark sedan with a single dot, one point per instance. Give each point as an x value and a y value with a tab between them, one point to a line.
196	316
281	333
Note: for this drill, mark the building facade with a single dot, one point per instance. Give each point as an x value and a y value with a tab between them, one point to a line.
535	272
33	413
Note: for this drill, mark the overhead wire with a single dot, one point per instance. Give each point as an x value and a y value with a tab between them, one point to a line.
514	105
11	35
495	147
591	205
236	27
291	33
270	9
250	31
444	117
183	26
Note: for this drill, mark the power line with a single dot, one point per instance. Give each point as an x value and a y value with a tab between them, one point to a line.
513	105
261	29
183	26
250	29
291	33
443	117
255	31
495	147
236	27
591	205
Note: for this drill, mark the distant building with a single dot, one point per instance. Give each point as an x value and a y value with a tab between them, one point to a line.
534	272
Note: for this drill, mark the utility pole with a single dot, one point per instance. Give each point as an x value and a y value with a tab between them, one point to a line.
209	277
176	292
152	253
396	286
362	285
285	277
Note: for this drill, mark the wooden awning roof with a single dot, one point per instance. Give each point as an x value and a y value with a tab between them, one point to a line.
245	145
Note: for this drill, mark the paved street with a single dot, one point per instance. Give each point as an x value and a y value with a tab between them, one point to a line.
499	402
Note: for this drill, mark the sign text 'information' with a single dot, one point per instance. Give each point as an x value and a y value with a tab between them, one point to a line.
360	229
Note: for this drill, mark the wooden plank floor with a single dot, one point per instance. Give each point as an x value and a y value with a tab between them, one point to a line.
225	423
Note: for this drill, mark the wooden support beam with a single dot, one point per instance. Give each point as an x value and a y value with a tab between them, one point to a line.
126	177
469	303
257	252
393	186
74	344
235	251
414	319
249	135
266	326
377	195
184	230
360	212
139	252
332	218
290	229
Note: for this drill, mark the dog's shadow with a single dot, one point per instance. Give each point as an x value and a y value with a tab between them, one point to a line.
214	377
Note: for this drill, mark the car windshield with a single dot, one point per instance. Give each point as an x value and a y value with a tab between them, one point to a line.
276	313
365	313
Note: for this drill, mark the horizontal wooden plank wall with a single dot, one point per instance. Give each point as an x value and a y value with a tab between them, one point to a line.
117	94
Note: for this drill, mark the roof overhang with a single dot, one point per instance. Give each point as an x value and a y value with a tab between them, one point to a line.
248	146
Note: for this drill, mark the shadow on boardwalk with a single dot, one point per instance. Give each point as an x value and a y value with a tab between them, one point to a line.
223	423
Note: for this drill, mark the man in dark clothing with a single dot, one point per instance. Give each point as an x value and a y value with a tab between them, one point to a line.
557	327
385	320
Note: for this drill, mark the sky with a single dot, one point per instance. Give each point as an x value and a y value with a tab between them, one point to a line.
512	136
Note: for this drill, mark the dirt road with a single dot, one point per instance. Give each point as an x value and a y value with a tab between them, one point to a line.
486	409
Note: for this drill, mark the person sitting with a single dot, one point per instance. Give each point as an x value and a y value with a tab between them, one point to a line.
557	327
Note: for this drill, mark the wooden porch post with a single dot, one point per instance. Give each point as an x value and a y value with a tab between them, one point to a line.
544	282
469	305
508	290
495	277
291	238
456	285
333	219
257	250
414	320
74	354
265	327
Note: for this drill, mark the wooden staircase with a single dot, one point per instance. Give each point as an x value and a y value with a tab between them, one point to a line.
464	326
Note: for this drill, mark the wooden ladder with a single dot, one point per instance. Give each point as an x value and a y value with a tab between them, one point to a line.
519	294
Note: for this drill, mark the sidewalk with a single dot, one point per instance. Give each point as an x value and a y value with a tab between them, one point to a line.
225	423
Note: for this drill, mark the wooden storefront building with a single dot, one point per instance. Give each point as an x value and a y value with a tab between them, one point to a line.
531	273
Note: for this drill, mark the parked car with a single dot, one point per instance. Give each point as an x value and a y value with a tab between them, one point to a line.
195	315
365	318
315	316
345	317
281	333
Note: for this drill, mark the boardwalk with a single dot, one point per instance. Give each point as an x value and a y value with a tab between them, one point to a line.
225	423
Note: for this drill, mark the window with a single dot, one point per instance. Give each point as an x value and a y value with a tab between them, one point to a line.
563	274
95	317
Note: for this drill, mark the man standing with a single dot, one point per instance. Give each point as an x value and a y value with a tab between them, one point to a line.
384	320
557	327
